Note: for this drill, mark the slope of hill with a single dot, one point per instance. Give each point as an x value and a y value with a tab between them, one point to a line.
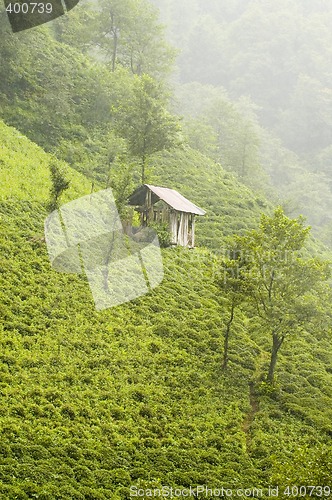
96	402
231	207
25	173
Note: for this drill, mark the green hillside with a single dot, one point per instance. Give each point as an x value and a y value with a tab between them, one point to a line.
230	206
96	402
24	170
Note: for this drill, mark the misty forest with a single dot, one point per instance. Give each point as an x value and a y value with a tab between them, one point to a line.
222	374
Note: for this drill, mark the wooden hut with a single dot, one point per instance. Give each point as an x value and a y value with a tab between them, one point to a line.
164	205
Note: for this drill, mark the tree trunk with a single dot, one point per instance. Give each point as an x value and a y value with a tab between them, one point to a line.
114	32
226	341
143	161
143	170
115	49
276	344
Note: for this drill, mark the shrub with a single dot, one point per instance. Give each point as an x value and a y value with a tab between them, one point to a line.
164	235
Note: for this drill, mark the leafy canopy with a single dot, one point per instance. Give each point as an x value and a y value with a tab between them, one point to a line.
281	284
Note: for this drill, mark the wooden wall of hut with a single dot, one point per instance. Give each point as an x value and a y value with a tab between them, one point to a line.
181	224
182	228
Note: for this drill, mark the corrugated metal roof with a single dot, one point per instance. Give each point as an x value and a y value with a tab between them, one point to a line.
175	200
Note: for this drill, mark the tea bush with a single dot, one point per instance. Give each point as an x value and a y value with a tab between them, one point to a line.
94	402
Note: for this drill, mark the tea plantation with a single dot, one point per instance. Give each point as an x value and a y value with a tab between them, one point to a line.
93	403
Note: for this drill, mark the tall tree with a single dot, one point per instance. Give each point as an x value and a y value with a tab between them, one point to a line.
236	137
234	286
129	34
284	287
144	121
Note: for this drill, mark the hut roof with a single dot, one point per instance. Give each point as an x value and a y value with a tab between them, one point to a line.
169	196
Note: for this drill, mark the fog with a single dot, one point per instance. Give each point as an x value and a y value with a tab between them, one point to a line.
271	63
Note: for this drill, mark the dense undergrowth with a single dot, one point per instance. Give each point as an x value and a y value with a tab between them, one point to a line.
94	402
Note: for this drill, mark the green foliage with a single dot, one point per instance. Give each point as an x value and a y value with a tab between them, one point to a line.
25	170
276	53
231	279
145	122
101	388
124	33
48	82
97	157
129	34
282	285
222	129
275	56
93	402
231	207
306	465
59	185
132	395
201	136
164	235
77	108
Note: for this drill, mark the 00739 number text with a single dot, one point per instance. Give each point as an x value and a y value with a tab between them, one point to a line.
29	8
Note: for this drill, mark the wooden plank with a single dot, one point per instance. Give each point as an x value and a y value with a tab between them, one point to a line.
193	231
174	227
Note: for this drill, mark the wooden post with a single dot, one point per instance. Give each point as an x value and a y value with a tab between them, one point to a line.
173	223
193	230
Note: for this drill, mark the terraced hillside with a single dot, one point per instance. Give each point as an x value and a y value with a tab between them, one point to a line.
94	403
231	207
25	173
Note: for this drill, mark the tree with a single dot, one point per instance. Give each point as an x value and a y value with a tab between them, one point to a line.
224	130
233	284
236	137
285	289
77	28
48	90
144	121
59	185
114	19
129	34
